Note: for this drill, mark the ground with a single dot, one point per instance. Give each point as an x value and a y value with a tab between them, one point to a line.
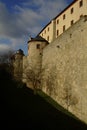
21	108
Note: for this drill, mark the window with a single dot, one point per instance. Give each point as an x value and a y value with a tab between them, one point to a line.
72	10
63	28
48	29
58	21
42	34
38	46
72	22
81	3
64	16
45	31
48	38
57	32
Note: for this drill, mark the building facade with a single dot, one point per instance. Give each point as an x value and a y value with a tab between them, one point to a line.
64	20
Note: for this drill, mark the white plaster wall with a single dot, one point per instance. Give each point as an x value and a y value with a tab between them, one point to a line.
53	26
75	16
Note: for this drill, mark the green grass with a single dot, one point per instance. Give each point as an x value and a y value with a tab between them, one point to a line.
56	105
21	108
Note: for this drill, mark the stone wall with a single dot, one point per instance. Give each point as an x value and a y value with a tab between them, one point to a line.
65	76
64	65
18	66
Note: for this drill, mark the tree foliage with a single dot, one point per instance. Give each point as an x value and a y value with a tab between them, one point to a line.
6	57
5	62
70	97
34	76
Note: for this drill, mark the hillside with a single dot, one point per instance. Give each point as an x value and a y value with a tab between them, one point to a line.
20	108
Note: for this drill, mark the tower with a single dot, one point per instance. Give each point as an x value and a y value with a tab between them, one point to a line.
34	67
18	64
35	51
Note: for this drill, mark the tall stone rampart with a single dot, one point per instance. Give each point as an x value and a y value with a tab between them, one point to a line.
18	64
64	65
65	76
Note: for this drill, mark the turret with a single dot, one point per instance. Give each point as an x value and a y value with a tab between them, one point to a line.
34	58
18	64
35	50
19	54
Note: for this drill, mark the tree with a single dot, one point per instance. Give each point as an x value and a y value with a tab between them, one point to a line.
33	75
6	57
5	61
70	97
51	80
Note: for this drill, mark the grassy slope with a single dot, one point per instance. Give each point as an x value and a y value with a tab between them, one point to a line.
20	108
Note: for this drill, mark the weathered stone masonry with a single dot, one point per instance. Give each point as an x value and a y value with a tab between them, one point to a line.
65	60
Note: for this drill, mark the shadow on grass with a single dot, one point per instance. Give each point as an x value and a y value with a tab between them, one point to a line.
20	108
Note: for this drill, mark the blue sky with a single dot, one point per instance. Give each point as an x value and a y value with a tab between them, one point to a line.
20	19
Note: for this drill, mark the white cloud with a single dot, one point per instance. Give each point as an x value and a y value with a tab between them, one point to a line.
28	19
4	48
47	8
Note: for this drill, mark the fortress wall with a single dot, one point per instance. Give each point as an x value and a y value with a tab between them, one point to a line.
18	66
65	63
25	66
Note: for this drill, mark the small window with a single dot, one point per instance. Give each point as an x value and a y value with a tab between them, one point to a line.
42	34
48	38
48	29
38	46
72	10
57	33
45	31
63	28
72	22
64	16
58	21
81	3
